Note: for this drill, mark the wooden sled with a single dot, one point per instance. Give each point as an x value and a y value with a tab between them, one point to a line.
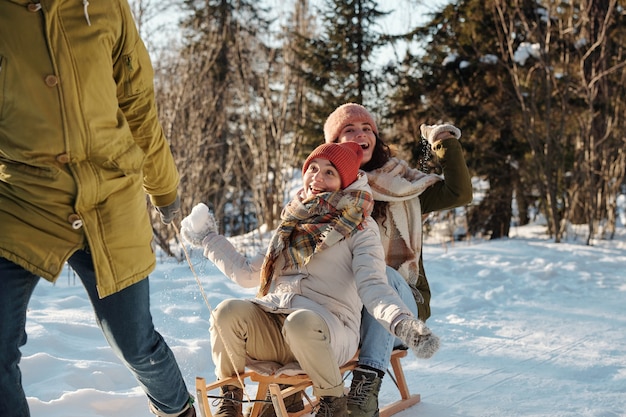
299	383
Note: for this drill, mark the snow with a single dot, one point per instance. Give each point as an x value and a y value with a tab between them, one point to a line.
529	328
525	51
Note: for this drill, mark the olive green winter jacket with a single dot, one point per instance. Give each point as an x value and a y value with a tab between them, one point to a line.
80	142
454	191
409	194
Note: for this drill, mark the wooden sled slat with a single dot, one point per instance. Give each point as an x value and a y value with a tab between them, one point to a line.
299	383
406	399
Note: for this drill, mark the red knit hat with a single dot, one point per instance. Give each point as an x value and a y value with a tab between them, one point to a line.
344	115
346	158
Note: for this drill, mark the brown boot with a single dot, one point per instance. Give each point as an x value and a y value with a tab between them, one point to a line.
293	404
332	407
363	395
230	403
190	412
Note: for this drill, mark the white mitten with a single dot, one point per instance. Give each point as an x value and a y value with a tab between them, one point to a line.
430	132
198	225
418	337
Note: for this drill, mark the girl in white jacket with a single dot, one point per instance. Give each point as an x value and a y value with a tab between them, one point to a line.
324	263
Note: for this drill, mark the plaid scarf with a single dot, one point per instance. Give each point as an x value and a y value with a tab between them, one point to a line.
309	226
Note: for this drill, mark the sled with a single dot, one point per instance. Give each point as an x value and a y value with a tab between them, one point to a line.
300	383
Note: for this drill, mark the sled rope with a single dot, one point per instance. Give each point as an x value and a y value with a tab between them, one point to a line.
208	304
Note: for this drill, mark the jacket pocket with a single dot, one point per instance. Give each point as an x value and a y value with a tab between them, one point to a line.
130	161
133	83
15	172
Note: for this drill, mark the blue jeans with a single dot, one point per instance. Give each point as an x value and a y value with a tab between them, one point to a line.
376	341
125	320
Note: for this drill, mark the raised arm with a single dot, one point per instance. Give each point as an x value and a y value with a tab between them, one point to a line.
456	188
200	230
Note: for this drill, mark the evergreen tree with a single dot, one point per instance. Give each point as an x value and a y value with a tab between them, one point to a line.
459	79
528	83
336	64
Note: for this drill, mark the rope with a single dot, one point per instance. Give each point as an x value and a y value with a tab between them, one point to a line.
251	401
208	304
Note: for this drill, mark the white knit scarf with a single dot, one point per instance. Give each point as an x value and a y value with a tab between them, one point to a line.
401	186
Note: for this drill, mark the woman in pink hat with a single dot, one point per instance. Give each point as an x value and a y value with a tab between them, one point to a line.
325	262
401	194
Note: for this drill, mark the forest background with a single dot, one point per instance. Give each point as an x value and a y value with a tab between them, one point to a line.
538	88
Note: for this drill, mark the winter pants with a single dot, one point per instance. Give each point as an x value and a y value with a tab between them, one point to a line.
240	329
125	320
376	341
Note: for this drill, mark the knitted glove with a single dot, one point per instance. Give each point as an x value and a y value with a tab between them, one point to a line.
168	213
418	337
198	225
431	132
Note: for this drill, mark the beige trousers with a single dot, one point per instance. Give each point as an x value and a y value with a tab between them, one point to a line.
240	329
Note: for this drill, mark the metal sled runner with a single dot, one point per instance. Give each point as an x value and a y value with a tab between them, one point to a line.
299	383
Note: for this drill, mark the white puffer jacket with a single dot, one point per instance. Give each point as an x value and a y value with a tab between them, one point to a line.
336	282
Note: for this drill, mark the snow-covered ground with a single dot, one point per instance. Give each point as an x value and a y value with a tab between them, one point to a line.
529	328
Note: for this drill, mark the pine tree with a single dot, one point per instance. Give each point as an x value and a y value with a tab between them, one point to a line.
336	63
460	80
529	84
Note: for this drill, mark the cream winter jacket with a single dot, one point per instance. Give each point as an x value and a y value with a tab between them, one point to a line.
336	283
80	142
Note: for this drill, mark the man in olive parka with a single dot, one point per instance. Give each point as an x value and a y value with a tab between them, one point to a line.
80	147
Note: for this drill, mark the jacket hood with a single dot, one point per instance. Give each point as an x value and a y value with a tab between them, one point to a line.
361	183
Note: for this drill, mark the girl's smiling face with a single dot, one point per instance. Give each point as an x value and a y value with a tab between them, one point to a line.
361	133
320	176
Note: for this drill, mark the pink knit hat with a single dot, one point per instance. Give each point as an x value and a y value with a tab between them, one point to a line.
344	115
346	157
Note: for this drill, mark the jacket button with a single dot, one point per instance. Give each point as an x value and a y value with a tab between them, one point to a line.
75	221
63	158
34	7
51	80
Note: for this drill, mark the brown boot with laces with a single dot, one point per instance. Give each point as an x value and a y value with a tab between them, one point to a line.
229	405
332	407
363	395
293	404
